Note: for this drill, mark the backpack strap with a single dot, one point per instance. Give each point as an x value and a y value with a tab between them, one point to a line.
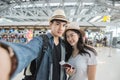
41	55
38	60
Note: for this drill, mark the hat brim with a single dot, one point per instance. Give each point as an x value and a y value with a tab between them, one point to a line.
59	19
73	28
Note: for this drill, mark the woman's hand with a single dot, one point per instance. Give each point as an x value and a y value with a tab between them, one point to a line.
70	71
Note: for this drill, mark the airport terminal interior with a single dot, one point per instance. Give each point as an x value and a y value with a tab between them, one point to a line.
21	20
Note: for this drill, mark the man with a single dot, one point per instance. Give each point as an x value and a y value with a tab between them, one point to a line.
15	57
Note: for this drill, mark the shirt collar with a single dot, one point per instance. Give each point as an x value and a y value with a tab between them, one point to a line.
50	36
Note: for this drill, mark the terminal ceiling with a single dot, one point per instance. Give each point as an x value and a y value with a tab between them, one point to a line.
37	12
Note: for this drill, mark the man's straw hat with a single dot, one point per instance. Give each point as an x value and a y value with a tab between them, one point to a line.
59	14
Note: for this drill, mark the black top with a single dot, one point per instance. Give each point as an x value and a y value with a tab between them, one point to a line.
56	60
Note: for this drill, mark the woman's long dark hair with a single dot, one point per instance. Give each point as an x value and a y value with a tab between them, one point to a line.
82	47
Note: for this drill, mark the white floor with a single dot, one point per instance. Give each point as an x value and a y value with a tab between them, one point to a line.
108	64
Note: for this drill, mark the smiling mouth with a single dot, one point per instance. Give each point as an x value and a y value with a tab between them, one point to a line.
60	32
71	42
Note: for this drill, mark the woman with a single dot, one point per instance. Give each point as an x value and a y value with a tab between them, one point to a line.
79	55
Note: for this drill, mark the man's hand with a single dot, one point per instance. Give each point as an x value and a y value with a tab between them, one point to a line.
5	64
8	62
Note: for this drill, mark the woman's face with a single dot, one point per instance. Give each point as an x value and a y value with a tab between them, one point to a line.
72	37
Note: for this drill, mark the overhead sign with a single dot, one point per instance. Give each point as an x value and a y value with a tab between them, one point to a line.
106	19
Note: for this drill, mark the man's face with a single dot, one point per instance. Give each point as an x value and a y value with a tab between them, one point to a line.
57	28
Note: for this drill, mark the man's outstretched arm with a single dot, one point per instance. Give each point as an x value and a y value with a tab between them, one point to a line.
19	55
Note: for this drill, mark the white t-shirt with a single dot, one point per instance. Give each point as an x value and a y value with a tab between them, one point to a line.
81	63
